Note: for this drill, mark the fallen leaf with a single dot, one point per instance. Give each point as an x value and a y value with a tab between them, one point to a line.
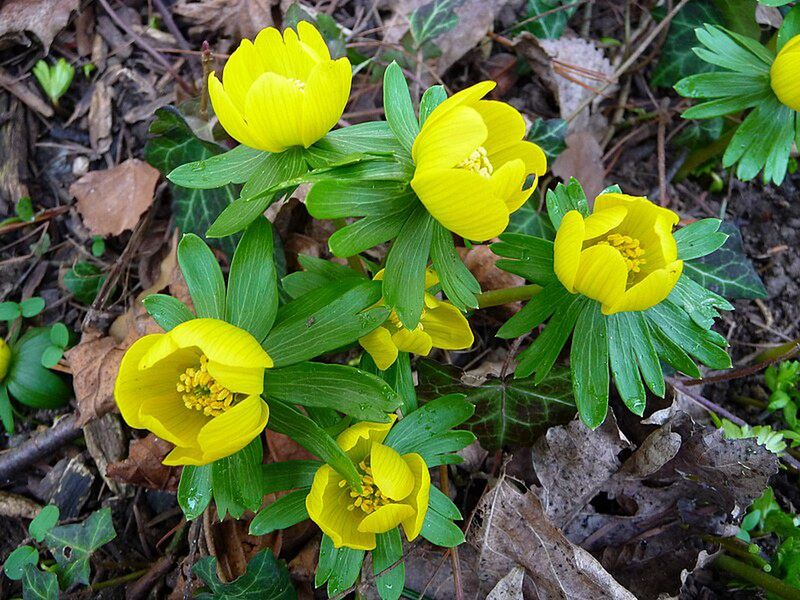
583	160
509	587
14	506
143	466
100	121
44	18
112	200
236	18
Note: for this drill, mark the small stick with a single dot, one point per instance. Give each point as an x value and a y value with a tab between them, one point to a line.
16	459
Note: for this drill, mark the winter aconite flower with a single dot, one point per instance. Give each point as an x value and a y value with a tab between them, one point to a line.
279	92
623	255
197	386
5	358
472	163
441	325
394	491
785	74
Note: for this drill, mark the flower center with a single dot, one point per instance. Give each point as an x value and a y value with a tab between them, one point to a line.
478	161
200	391
630	250
370	498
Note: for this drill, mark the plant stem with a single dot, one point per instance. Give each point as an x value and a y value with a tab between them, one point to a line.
782	352
354	261
738	548
506	295
118	580
757	577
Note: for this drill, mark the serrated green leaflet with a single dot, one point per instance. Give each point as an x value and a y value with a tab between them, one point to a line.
265	579
508	413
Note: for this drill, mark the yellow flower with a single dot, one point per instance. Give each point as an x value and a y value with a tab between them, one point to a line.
279	92
623	255
785	74
472	163
5	358
198	386
394	491
441	325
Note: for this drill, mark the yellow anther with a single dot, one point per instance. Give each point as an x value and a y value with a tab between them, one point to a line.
370	498
630	250
199	391
478	161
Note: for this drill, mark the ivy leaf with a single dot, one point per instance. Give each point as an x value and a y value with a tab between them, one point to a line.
265	579
529	220
550	136
727	272
549	26
508	413
172	145
73	545
677	59
433	19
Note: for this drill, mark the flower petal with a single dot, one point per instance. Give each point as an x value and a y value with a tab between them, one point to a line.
600	222
783	74
241	380
504	122
357	439
466	97
651	290
390	472
419	497
300	56
567	249
327	505
274	111
387	517
324	98
462	201
531	154
507	182
602	274
448	327
242	68
414	341
312	38
229	116
449	141
234	429
272	51
379	346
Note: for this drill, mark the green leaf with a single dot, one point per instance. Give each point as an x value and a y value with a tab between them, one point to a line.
318	273
194	490
551	299
73	545
265	579
312	437
588	359
342	388
10	311
59	335
21	557
700	304
732	51
31	307
345	571
458	282
565	198
790	26
509	413
39	585
677	59
532	257
432	20
367	233
721	85
432	98
435	417
727	271
233	166
54	79
286	511
440	503
671	353
699	239
203	277
306	328
373	137
28	381
404	276
252	301
441	448
173	143
635	333
236	480
51	355
84	281
43	522
6	412
548	18
397	104
389	550
24	209
327	561
727	105
550	136
288	475
441	531
167	311
622	354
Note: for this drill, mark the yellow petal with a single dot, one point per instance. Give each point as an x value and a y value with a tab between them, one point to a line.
449	141
652	226
301	58
243	67
327	505
462	201
413	342
507	182
221	342
386	518
504	122
419	497
466	97
168	417
379	345
431	278
229	116
651	290
567	249
601	222
312	38
241	380
326	92
640	209
784	74
531	154
447	327
602	274
274	111
272	51
234	429
357	439
390	472
184	456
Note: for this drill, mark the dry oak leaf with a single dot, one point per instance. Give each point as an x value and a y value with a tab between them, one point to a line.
112	200
143	466
44	18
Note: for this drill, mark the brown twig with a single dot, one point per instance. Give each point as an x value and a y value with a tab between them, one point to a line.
744	371
444	482
37	447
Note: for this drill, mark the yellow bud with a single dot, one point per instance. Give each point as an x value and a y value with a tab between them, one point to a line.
5	358
784	77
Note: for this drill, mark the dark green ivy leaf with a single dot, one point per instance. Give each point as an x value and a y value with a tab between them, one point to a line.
265	579
433	19
547	19
549	135
73	545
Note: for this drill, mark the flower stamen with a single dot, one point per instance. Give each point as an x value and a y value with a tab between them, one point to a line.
200	391
629	248
370	498
478	162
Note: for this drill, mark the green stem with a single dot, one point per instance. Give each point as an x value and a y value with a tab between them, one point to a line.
354	261
118	580
772	354
740	549
506	295
757	577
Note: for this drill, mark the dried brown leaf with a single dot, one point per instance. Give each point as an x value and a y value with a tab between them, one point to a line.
143	466
234	18
583	160
44	18
100	118
112	200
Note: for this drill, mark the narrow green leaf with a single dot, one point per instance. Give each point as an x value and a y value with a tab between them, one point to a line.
389	550
622	354
339	198
441	449
327	561
532	257
552	299
791	23
672	354
441	531
700	304
440	503
643	349
288	475
367	233
699	238
432	98
236	480
194	490
429	420
397	105
286	511
6	412
458	282
565	198
345	573
167	311
203	277
588	359
28	381
233	166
